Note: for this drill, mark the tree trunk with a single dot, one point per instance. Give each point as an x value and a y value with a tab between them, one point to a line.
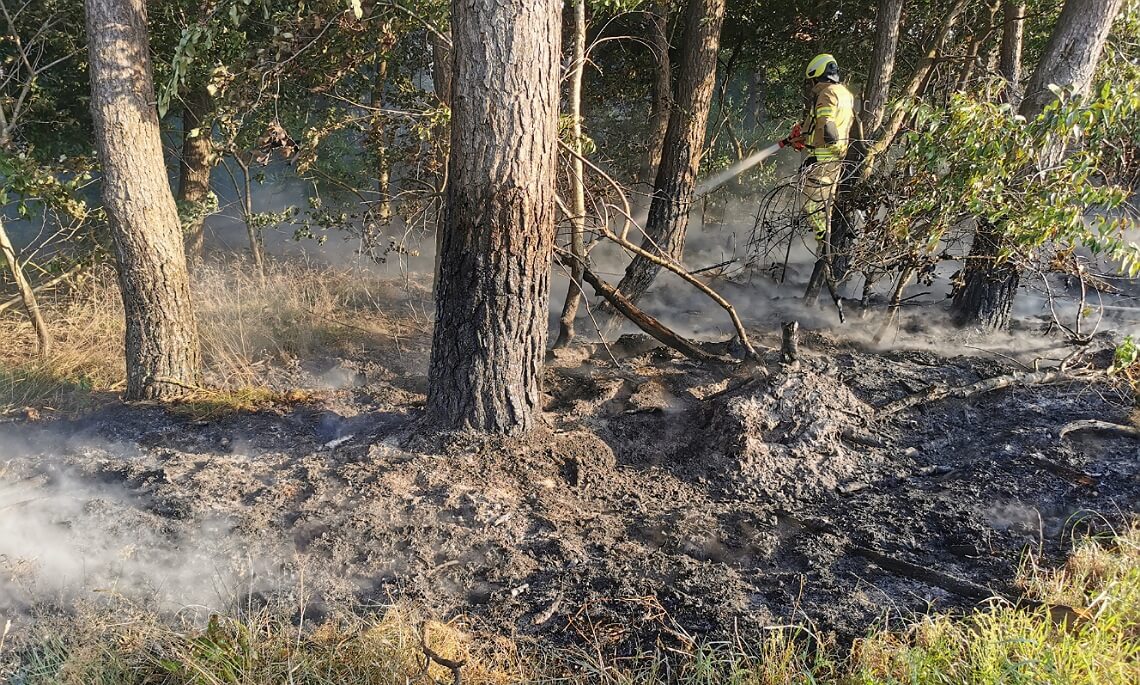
888	23
757	109
441	67
684	142
1072	53
27	295
985	297
658	20
885	137
161	336
1070	59
493	294
380	143
1012	38
577	182
195	167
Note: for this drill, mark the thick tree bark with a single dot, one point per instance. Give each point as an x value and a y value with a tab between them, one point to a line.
195	166
27	295
985	296
1012	38
161	337
888	24
493	294
658	25
684	142
1073	51
988	288
577	182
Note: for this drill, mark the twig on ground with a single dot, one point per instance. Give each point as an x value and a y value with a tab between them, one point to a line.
988	385
1101	426
456	667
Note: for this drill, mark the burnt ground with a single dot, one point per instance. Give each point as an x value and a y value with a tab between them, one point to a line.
659	495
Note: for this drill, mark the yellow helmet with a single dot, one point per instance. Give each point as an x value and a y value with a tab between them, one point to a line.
823	66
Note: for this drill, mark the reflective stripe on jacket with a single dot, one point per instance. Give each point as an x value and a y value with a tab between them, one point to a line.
832	102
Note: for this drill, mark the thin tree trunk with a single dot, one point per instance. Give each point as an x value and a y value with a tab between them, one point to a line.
27	295
442	70
757	112
195	167
922	72
981	36
658	20
577	182
244	189
493	294
442	67
989	285
161	336
1012	38
684	143
888	24
380	143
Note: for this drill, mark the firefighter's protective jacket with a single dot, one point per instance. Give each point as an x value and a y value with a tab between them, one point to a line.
828	128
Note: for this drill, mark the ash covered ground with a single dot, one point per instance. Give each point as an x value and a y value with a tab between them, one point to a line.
659	495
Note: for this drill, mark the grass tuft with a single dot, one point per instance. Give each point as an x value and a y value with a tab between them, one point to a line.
996	644
251	329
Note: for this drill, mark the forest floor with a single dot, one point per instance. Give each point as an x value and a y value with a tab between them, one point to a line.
660	498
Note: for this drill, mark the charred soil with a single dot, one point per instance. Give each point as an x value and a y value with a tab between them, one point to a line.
660	495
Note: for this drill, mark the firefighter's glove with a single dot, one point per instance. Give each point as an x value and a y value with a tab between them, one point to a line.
795	139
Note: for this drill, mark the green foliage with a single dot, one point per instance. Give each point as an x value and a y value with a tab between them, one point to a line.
1043	182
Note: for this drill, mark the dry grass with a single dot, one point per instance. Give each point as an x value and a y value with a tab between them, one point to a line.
251	329
995	644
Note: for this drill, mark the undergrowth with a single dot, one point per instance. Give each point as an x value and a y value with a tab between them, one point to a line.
1095	640
250	327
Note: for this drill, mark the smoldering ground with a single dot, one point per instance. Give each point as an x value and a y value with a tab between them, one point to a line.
656	486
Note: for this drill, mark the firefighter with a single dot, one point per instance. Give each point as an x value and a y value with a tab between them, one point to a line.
824	135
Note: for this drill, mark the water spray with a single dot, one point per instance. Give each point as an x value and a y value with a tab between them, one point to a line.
737	169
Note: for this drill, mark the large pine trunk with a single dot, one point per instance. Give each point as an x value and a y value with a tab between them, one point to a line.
684	141
161	337
195	166
888	20
986	295
493	293
1072	53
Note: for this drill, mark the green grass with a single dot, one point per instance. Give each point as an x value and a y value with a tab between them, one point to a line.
1086	630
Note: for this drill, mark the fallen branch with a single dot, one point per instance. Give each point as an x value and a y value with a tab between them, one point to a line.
1100	426
988	385
643	320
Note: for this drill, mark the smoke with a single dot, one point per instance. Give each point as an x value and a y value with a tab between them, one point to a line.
67	537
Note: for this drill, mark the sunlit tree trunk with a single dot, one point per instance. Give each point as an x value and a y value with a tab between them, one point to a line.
195	166
684	142
888	23
493	293
1012	37
161	337
577	180
27	295
989	284
380	143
